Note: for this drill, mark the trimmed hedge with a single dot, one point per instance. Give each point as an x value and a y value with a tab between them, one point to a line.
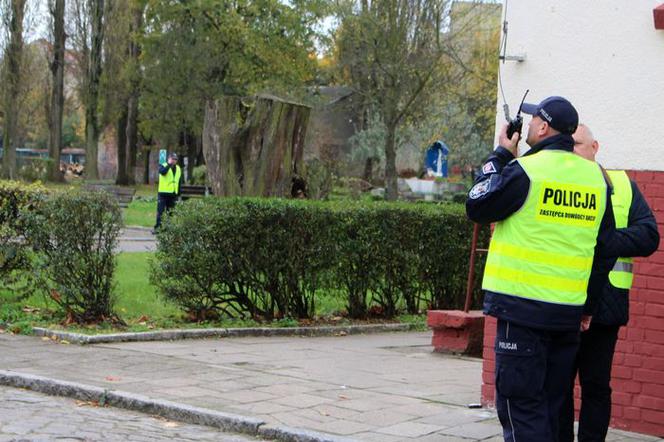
270	258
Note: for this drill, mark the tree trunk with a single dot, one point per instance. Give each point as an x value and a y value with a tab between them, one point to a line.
391	190
146	166
132	138
57	92
253	147
367	175
13	55
122	176
93	74
190	142
134	94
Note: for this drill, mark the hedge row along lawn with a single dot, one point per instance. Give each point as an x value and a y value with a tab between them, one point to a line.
139	304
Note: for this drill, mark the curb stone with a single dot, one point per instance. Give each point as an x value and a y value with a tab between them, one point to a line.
170	410
288	434
170	335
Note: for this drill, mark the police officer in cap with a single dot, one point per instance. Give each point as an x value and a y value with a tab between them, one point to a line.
170	180
548	260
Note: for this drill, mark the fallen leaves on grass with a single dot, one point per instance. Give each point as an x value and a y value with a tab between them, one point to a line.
56	296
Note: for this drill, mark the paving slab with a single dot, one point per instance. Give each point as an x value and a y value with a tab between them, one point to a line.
380	387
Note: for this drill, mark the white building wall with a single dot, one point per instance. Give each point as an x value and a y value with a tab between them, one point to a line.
606	57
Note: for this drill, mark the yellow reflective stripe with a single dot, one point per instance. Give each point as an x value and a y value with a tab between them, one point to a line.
535	293
541	257
523	277
621	280
621	276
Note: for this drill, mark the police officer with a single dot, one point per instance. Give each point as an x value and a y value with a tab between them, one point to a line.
170	178
548	260
637	235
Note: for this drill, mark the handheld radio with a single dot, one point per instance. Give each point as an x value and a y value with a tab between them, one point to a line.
516	124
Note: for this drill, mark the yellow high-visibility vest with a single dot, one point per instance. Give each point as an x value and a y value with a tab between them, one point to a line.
170	183
621	276
545	250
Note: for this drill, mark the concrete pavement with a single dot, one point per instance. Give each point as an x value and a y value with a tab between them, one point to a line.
385	387
137	239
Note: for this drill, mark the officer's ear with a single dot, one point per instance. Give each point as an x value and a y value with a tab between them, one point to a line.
595	146
543	129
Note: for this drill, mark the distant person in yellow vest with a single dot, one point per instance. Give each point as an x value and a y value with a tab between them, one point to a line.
637	235
170	179
548	260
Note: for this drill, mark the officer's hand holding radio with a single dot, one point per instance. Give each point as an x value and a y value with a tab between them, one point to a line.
509	143
511	132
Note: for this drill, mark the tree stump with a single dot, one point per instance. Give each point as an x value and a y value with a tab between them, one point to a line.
254	146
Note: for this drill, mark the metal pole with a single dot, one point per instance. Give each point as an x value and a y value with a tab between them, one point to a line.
471	270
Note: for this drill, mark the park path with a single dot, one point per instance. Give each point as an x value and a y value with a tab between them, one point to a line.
137	239
382	387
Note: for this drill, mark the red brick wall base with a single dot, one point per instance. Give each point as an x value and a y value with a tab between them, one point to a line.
456	331
638	365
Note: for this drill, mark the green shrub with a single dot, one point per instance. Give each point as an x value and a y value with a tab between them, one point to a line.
35	169
271	258
194	266
199	175
74	236
319	177
16	200
445	257
260	257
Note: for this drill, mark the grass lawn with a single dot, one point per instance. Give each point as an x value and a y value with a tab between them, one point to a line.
141	212
136	297
137	301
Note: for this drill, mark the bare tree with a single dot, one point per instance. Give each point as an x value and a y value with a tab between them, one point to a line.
57	64
87	38
11	80
123	51
136	27
399	54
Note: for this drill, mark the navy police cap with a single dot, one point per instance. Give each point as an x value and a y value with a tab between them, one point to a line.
557	111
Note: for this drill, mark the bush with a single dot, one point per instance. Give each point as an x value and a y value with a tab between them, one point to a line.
74	236
319	177
16	200
35	169
260	257
199	175
271	258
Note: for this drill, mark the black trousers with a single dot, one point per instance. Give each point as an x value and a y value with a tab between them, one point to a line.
533	368
164	202
593	363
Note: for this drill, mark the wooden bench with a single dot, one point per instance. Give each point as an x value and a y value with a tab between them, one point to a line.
191	191
124	195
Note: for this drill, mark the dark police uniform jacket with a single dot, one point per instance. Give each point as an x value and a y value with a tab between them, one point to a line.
639	238
501	190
